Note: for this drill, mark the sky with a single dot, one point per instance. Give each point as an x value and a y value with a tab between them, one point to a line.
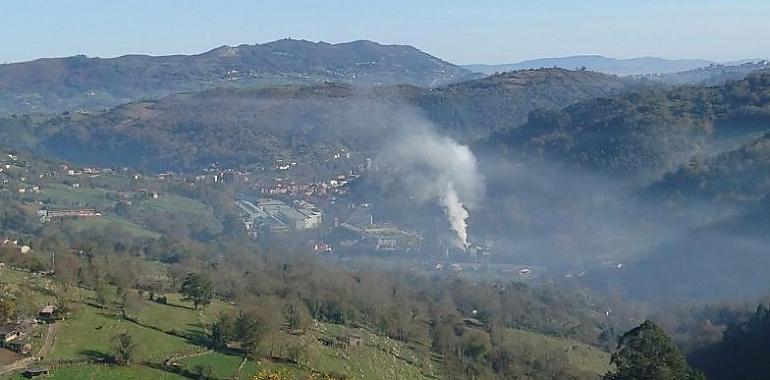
463	32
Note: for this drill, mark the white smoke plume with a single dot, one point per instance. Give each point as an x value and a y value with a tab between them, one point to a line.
438	169
457	215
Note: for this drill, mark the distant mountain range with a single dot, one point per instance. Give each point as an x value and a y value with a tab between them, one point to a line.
633	66
59	84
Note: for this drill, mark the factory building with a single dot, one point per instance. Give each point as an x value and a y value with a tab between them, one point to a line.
278	216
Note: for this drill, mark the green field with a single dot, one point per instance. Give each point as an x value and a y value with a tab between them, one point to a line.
579	356
222	366
176	204
178	315
103	372
377	358
107	220
61	195
91	334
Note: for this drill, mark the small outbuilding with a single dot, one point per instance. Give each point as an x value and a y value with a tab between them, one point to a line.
36	372
47	313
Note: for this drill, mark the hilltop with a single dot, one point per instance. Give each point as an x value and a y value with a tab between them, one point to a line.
713	75
80	82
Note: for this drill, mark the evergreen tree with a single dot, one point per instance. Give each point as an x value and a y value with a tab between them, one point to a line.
221	332
647	353
198	289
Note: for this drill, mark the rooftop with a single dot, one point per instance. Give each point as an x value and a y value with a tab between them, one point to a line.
5	329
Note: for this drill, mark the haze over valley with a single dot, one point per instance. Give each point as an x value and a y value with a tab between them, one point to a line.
295	209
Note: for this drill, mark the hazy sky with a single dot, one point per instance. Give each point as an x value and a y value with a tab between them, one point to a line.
477	31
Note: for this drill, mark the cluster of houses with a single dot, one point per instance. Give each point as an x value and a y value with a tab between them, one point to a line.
15	336
10	169
336	185
14	244
213	175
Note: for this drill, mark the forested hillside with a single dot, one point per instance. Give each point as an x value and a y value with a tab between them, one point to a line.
250	126
644	133
75	83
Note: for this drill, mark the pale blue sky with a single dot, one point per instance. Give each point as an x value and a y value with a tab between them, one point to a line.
479	31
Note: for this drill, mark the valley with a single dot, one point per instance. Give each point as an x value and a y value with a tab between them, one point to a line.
296	210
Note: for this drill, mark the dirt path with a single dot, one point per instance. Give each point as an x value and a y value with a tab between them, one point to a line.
23	363
237	374
49	338
15	366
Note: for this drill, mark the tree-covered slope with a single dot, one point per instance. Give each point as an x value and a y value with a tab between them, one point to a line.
479	107
645	133
59	84
306	123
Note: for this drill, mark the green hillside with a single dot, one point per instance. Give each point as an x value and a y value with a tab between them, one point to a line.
76	83
175	331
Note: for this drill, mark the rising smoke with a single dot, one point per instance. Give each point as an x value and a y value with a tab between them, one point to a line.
436	168
457	215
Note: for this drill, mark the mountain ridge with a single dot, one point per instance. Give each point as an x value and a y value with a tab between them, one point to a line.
80	82
600	63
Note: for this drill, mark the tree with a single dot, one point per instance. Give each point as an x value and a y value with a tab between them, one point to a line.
131	303
296	316
124	349
197	288
647	353
249	329
222	332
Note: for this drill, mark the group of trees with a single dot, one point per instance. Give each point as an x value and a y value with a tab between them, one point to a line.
643	133
278	293
742	352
